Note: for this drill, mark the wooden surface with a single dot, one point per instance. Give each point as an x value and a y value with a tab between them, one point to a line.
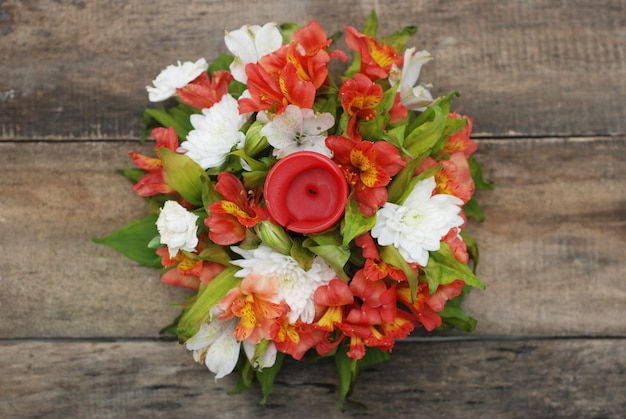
545	82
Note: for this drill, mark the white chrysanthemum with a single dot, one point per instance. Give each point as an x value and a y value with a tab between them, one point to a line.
175	77
177	228
298	130
216	131
248	44
419	224
412	96
295	285
215	346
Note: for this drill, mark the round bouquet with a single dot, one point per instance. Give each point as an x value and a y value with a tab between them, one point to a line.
312	212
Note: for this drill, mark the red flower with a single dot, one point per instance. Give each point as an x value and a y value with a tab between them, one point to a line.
368	168
295	339
204	93
291	74
187	272
461	140
334	297
425	307
376	59
454	178
359	97
275	93
239	210
251	302
154	181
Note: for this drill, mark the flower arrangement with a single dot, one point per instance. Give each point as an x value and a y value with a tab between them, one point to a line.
310	213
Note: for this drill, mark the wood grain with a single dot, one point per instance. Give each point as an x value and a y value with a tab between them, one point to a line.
78	70
552	247
544	81
504	379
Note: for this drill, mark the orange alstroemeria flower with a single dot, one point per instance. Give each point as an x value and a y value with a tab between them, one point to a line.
187	272
203	93
425	307
460	142
291	74
307	52
251	302
454	178
269	93
368	168
154	182
334	297
295	339
239	210
359	97
376	59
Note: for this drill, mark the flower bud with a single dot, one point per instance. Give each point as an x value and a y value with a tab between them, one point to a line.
274	236
255	142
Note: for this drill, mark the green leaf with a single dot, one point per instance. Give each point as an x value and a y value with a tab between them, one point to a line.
476	171
392	256
209	194
287	29
335	256
183	175
347	371
398	40
220	63
132	174
132	241
425	136
472	248
207	297
455	317
443	268
302	255
373	356
267	376
246	375
404	182
176	116
473	210
371	25
355	222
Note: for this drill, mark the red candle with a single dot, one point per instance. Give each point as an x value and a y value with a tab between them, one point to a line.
306	192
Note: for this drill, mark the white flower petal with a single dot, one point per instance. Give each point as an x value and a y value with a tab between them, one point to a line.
174	77
216	132
295	285
417	226
222	356
249	43
298	130
412	96
265	360
177	228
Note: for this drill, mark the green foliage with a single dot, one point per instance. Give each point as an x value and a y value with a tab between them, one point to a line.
443	268
175	116
348	369
477	174
132	241
183	175
355	222
208	296
267	376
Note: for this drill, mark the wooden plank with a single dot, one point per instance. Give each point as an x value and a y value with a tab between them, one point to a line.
77	70
504	379
552	246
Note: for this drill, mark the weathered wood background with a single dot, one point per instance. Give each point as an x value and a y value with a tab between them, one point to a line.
544	80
